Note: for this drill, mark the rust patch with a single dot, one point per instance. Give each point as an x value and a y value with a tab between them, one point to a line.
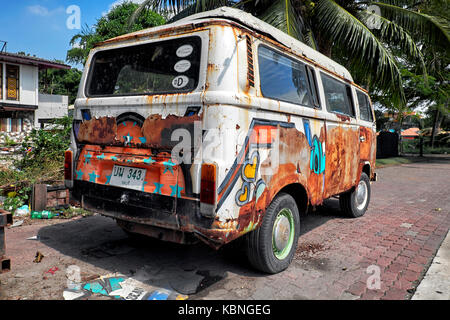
154	126
342	154
102	130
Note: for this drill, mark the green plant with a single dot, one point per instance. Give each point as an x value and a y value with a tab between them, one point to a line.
16	199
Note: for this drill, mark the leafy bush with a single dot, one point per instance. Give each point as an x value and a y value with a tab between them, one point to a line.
43	147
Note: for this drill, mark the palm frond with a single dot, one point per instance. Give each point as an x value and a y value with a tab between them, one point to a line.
180	8
434	29
359	43
281	14
392	33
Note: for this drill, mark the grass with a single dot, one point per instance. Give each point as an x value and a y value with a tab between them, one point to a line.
395	161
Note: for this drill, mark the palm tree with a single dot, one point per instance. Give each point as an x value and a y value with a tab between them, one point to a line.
344	30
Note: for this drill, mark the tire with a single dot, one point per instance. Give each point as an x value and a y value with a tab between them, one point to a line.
272	254
354	203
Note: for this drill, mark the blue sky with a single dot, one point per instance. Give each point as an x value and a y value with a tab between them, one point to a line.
39	27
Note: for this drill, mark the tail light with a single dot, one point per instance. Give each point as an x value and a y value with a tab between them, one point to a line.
208	184
68	165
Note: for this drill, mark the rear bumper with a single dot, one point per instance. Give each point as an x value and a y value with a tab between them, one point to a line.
144	208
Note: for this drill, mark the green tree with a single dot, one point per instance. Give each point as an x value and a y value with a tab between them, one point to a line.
58	81
342	29
114	24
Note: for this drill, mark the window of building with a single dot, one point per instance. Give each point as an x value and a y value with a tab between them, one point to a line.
10	122
365	112
338	96
283	78
12	82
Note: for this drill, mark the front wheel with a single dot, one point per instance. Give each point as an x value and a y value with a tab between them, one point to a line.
271	247
354	203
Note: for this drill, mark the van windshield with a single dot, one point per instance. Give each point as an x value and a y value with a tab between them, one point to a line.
170	66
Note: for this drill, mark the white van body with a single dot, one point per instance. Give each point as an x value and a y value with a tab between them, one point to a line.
237	119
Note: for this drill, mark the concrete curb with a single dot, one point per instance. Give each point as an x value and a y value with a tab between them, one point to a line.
436	283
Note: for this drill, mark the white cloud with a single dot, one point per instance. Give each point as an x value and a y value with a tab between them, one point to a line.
42	11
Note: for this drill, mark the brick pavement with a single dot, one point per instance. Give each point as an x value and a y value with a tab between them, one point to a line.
407	220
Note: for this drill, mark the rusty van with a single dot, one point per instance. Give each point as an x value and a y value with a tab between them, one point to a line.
215	127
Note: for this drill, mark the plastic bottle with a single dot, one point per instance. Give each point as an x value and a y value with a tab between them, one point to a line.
43	215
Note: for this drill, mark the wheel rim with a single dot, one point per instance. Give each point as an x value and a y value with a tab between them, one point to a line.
283	234
361	195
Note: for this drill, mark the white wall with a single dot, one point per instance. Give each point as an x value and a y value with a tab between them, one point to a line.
51	107
28	82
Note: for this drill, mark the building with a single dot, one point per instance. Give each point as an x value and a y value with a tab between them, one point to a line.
22	107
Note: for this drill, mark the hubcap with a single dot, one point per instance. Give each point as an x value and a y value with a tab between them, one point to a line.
361	195
283	234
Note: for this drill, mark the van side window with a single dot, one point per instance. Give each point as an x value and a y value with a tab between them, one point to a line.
313	86
365	111
337	96
283	78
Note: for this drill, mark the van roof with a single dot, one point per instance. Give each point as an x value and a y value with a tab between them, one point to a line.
253	23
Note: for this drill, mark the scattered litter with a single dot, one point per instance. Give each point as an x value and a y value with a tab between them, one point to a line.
43	215
120	287
16	224
406	225
22	211
75	295
52	270
39	257
33	238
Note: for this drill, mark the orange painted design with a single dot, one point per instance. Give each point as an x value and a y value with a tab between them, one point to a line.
163	176
130	129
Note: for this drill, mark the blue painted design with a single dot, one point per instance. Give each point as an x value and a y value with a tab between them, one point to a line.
87	158
108	179
317	160
114	158
143	185
158	295
79	174
128	138
101	157
93	177
149	160
143	140
158	187
307	131
176	191
168	166
124	123
134	124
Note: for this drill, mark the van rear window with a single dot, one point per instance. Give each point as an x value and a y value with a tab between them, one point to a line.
170	66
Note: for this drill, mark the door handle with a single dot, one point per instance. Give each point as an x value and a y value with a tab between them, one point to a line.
362	138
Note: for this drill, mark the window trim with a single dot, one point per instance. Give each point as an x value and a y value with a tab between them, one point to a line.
305	67
88	81
17	82
349	93
369	105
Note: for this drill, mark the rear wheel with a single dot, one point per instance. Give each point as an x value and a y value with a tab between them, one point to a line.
271	247
354	203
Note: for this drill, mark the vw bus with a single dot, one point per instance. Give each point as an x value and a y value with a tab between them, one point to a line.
215	127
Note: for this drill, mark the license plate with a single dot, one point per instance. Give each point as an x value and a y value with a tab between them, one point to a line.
128	177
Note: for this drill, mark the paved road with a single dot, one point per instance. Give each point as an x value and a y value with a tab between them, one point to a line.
338	258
